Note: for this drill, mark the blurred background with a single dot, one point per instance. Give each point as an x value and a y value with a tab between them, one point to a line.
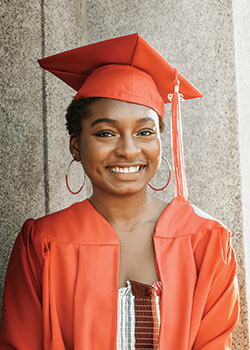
207	41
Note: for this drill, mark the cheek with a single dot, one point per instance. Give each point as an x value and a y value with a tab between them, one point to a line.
93	154
158	154
87	152
154	152
157	147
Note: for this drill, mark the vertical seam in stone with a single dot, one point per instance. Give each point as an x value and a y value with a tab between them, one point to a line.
45	119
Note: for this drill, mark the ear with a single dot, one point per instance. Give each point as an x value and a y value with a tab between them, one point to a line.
74	147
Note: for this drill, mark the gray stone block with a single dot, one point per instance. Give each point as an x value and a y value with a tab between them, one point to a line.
60	38
22	153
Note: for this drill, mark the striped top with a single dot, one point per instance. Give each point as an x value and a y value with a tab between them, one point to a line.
138	321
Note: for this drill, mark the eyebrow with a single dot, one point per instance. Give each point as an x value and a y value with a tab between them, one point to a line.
113	121
145	119
103	120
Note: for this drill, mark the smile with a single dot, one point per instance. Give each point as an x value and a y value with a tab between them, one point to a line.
126	170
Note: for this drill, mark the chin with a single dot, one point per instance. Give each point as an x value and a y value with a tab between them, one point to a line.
126	190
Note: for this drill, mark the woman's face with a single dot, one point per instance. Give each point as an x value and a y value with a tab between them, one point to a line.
119	146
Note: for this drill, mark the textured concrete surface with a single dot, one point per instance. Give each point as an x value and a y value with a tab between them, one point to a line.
34	152
241	15
196	38
58	38
206	41
22	159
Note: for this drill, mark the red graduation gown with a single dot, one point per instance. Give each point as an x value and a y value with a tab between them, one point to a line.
61	288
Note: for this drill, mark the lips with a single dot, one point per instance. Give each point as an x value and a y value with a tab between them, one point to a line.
126	169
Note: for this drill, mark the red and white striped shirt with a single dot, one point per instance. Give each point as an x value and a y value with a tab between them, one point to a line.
138	316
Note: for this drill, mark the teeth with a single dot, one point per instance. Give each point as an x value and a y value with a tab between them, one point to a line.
126	170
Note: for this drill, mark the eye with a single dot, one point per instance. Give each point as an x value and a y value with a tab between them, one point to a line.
105	133
146	132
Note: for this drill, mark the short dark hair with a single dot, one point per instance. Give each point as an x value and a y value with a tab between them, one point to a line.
79	109
76	111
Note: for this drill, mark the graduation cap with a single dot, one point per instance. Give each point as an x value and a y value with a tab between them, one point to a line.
127	68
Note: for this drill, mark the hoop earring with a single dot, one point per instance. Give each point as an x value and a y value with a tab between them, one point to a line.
169	177
67	182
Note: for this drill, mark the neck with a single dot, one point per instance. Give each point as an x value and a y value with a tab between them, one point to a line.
125	212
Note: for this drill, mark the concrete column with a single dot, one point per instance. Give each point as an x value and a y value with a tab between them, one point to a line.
22	125
64	27
34	152
241	15
198	39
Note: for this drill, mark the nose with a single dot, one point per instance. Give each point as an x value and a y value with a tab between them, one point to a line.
127	147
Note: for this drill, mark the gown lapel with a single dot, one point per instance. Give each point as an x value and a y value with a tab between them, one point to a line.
96	290
96	293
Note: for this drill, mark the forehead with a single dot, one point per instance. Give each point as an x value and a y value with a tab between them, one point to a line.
121	111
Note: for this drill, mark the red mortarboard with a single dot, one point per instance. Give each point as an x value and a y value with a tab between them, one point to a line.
127	68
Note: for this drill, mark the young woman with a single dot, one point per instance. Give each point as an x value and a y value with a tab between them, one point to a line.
121	269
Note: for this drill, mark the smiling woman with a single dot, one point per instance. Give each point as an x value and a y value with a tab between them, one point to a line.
119	147
121	269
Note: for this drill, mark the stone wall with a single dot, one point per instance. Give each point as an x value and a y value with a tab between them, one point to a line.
208	42
241	15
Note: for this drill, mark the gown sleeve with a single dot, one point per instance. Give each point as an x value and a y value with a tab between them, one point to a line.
221	311
21	326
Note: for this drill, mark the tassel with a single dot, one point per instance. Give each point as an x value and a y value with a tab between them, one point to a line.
181	190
